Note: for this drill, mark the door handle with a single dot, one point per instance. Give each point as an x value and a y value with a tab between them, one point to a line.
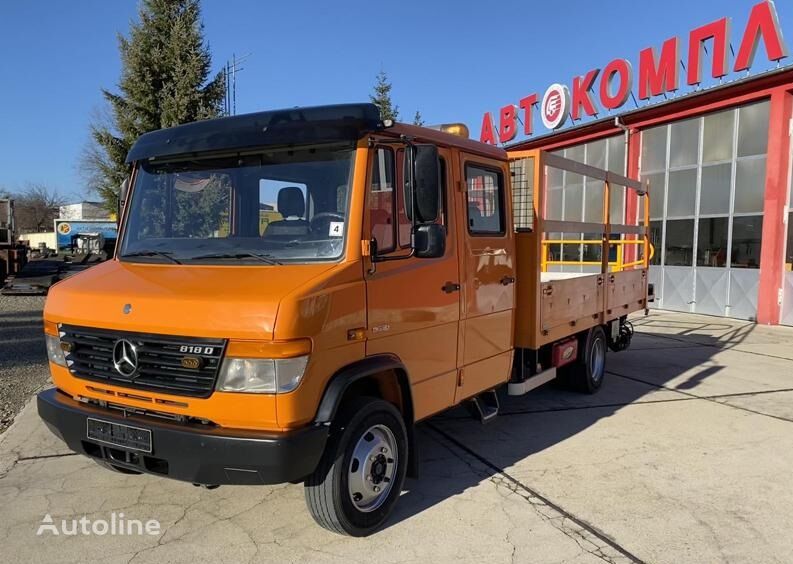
507	280
450	287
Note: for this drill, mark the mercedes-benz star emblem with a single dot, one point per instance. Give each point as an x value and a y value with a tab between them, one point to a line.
125	358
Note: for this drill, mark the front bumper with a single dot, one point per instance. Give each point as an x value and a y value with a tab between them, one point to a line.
183	452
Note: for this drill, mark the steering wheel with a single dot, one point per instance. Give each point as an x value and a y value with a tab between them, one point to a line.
324	219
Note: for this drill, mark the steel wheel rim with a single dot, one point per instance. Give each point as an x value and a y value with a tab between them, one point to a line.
372	468
597	359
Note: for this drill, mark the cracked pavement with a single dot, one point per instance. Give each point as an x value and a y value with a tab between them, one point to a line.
684	456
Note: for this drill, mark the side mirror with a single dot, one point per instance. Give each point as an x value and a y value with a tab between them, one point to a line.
425	193
429	240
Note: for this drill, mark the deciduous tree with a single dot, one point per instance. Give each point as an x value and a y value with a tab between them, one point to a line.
35	207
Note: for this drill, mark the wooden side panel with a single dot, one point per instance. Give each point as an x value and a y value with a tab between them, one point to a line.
527	290
564	301
626	292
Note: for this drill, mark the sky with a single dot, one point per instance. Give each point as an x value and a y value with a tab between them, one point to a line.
452	60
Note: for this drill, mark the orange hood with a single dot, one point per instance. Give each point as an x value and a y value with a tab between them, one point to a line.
203	301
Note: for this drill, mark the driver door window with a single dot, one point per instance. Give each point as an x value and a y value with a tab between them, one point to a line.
381	199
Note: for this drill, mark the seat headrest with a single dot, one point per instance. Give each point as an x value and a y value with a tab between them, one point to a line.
291	202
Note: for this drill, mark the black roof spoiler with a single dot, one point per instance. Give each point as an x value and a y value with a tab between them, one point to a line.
278	127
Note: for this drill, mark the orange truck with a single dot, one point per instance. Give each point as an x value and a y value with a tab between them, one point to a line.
401	271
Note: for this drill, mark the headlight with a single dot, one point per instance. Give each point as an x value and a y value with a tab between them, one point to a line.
54	350
261	375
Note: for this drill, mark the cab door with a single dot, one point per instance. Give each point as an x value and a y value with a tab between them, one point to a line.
413	304
488	268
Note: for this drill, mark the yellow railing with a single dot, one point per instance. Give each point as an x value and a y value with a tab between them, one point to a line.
616	265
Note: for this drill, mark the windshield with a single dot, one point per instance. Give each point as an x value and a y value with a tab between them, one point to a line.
279	205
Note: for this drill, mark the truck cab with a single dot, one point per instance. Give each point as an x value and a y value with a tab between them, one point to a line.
292	291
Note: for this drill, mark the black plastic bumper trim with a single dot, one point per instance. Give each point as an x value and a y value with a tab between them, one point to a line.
200	456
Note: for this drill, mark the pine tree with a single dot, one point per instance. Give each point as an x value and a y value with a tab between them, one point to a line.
164	82
417	119
382	98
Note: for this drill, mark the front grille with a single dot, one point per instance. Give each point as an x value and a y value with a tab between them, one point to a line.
159	366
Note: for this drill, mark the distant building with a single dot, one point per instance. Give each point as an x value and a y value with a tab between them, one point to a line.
84	210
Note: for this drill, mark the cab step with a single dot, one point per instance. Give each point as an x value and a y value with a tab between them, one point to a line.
484	406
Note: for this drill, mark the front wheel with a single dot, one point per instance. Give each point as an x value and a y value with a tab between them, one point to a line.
360	476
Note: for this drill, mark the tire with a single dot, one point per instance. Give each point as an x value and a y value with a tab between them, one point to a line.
586	374
114	468
339	496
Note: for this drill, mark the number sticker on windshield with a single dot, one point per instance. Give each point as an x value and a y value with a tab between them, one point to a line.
336	229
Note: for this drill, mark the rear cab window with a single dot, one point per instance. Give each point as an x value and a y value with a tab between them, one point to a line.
485	200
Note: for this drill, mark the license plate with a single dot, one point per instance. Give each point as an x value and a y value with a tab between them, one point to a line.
116	434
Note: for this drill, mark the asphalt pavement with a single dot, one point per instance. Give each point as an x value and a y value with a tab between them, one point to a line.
684	456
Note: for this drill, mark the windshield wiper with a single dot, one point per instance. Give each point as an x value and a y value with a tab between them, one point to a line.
238	255
164	254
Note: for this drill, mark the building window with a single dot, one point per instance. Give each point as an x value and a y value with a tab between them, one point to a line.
753	129
656	232
746	234
657	184
682	193
654	149
712	241
684	143
749	185
707	185
572	197
679	248
714	194
717	137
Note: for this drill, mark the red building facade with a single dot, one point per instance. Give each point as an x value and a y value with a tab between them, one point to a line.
717	163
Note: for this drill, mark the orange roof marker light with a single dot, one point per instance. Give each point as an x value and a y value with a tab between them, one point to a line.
458	129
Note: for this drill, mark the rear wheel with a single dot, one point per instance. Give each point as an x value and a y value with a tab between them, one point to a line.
587	372
360	476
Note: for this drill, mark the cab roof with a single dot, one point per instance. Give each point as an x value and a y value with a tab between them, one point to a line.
315	124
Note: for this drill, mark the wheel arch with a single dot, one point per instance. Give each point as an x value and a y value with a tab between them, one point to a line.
371	368
383	375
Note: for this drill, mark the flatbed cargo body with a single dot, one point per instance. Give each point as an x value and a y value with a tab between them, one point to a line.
555	299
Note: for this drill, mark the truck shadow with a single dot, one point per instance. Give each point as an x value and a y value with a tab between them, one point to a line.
670	361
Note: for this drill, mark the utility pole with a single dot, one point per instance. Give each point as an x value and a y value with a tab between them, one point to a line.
230	71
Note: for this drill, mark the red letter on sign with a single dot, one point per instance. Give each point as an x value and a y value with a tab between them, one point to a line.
526	104
487	130
763	22
582	86
719	31
655	78
616	67
507	130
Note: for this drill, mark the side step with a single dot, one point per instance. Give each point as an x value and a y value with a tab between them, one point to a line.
484	406
520	388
